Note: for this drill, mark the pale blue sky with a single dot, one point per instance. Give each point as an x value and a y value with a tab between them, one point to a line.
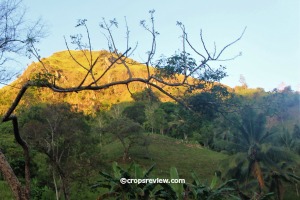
270	46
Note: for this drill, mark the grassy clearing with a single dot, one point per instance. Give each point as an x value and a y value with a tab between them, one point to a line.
167	152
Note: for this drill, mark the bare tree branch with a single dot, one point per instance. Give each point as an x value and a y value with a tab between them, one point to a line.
230	44
153	33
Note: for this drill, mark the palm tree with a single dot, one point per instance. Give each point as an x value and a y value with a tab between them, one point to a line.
255	154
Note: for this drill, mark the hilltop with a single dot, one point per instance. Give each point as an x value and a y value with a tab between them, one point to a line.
68	73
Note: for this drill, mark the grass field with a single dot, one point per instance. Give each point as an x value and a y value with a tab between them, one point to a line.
168	152
5	193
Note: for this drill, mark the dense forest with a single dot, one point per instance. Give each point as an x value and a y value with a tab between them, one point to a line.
75	124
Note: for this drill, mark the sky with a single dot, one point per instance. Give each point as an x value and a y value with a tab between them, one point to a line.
270	46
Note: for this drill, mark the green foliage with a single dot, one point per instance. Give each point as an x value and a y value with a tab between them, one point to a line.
150	117
296	132
167	152
126	131
136	112
256	155
202	103
252	127
177	64
194	190
160	120
12	151
208	104
5	192
41	192
281	103
183	63
205	136
146	96
6	128
118	190
213	190
171	119
62	137
177	187
284	172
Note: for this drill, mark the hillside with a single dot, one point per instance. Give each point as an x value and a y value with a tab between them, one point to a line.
68	73
168	152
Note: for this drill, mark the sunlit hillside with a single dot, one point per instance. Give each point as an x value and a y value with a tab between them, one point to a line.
69	73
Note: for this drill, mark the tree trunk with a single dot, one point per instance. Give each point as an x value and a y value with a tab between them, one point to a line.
125	154
161	130
65	187
55	185
18	191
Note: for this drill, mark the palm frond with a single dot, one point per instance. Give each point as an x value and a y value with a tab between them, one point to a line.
146	174
266	136
259	126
